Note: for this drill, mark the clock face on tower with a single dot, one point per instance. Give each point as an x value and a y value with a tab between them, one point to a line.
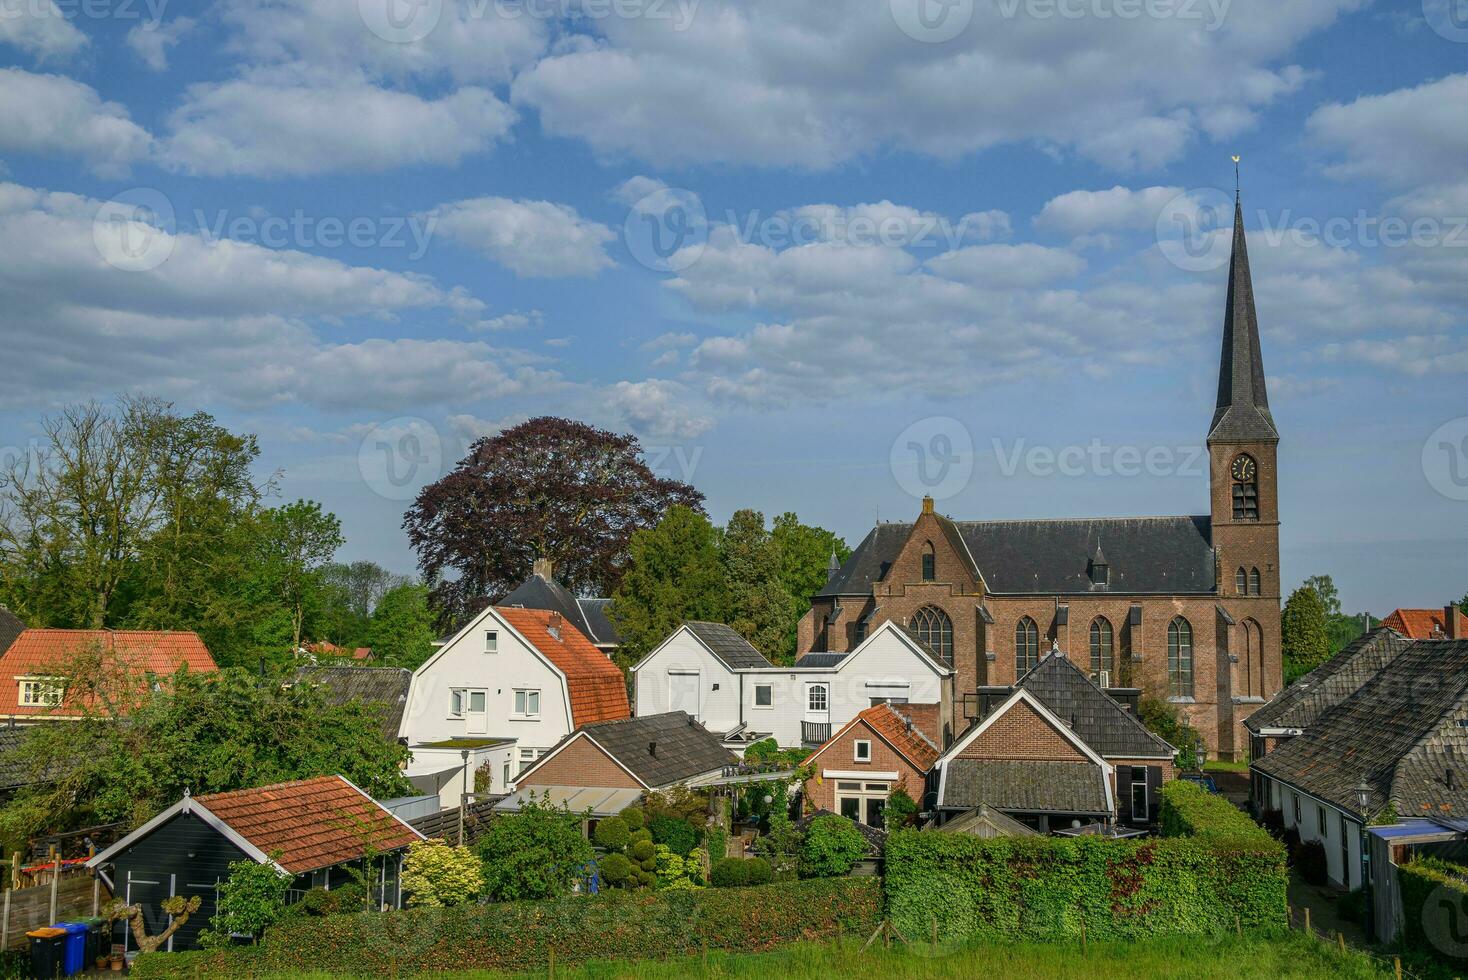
1244	469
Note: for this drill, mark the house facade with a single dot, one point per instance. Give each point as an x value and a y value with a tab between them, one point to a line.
521	676
886	747
1184	608
709	671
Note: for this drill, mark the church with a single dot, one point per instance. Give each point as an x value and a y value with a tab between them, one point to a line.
1185	609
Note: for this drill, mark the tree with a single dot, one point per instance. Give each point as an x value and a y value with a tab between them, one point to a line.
436	875
673	575
1305	640
299	539
350	596
757	606
805	558
535	853
400	631
1162	719
1324	587
832	847
547	488
249	901
178	910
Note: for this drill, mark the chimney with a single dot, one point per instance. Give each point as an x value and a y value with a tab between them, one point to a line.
543	567
927	505
1451	622
553	626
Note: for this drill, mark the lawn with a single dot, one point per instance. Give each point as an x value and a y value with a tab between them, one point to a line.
1287	955
1223	765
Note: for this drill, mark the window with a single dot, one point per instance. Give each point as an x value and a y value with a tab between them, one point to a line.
528	756
527	704
858	632
507	776
1026	645
764	695
1180	658
933	627
1297	810
862	802
862	751
817	699
1253	581
491	641
1320	821
1345	852
43	694
456	703
1241	583
1103	656
1140	803
1245	474
930	563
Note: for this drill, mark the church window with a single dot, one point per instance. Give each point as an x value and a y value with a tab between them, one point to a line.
930	563
1103	657
1026	645
1253	581
1180	658
933	627
1241	583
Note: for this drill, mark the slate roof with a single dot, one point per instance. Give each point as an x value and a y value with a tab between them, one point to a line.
733	650
1026	786
819	660
13	773
384	686
1300	704
1150	555
1415	624
1100	721
10	628
312	823
1379	734
588	615
684	748
596	686
1243	412
49	652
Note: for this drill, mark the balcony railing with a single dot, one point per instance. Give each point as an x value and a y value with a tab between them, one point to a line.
815	732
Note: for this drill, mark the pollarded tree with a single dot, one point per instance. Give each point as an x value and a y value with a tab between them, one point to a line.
547	488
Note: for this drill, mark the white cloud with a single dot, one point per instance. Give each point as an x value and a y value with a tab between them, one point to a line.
657	408
1008	266
1405	137
531	238
52	114
1120	208
151	40
40	28
296	122
529	320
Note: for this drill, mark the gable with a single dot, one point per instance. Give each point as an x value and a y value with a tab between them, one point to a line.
1021	732
951	564
581	762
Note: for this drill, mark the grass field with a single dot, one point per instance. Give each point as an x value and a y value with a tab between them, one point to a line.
1287	955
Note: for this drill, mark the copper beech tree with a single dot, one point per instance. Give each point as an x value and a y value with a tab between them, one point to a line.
547	488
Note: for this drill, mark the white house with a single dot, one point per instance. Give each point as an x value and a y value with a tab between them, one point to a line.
711	672
524	678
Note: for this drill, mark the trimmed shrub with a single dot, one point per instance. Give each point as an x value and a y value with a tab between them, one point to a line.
679	835
643	850
718	843
1310	861
633	817
612	834
616	870
730	873
758	871
1434	900
637	836
832	847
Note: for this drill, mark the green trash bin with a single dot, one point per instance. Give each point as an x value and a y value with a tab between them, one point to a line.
48	952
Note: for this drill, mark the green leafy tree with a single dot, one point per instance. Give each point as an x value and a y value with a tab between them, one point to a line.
535	853
401	629
832	847
805	557
250	900
673	575
901	809
1324	587
299	540
1306	641
1162	719
758	606
436	875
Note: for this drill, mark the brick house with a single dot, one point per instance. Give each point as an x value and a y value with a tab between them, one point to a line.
1447	623
1184	608
884	748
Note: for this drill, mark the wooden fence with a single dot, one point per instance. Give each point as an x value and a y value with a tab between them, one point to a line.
23	909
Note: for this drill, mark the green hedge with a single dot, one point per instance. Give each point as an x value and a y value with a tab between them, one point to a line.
1435	907
1214	872
515	936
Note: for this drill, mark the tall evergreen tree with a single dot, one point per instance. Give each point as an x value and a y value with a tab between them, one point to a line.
759	608
805	558
1305	639
673	575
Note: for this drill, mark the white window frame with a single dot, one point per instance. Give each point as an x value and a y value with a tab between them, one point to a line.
869	791
528	757
857	755
524	695
810	698
491	641
40	692
770	688
457	699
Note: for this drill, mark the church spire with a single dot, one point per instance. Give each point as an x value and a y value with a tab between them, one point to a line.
1243	404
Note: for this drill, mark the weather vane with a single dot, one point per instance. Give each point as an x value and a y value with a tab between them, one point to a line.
1236	176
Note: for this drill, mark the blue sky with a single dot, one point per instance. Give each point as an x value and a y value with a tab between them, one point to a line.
371	231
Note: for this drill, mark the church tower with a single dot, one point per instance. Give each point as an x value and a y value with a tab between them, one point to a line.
1244	481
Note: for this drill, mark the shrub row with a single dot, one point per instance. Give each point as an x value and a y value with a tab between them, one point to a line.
1216	871
515	936
1434	902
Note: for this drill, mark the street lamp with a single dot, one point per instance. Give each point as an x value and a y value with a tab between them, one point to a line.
1363	801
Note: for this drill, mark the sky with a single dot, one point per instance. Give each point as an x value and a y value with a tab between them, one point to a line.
821	257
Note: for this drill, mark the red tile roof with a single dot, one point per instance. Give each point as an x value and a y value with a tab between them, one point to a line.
48	653
1424	624
328	649
914	742
596	686
310	823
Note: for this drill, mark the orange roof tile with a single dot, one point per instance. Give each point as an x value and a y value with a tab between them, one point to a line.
310	823
48	653
891	723
1423	624
596	686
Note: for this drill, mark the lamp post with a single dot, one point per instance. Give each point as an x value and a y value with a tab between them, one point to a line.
464	796
1363	800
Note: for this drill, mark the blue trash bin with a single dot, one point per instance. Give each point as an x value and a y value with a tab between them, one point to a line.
74	959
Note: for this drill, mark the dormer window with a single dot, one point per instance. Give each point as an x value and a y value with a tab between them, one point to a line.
40	693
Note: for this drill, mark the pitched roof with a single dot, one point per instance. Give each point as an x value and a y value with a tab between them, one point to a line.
661	750
328	649
1243	412
596	686
384	686
985	821
900	726
1026	786
1379	733
310	824
10	628
733	650
540	591
1298	705
49	652
819	660
1168	555
1425	624
1100	721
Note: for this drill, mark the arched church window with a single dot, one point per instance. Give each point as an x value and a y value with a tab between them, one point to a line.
933	627
1102	650
1180	658
1026	645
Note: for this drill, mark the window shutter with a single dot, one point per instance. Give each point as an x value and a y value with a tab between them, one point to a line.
1154	792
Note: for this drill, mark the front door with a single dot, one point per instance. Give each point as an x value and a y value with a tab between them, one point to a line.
683	693
476	713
